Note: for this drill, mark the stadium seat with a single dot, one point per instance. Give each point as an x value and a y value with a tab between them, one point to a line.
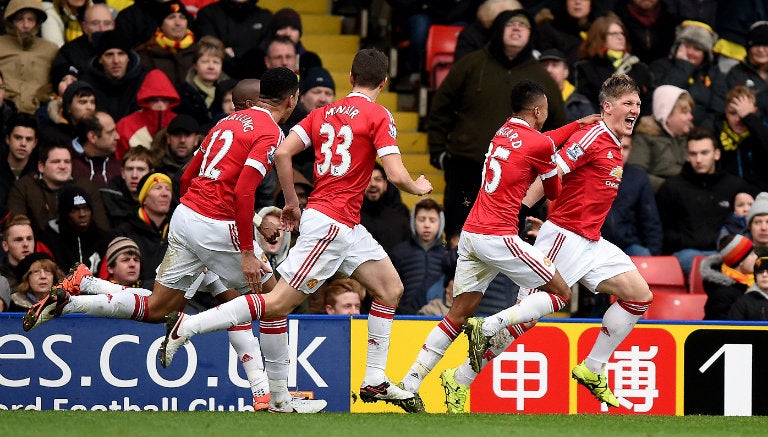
695	281
676	306
663	273
441	44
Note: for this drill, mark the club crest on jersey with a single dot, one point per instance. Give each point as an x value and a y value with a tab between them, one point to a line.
547	262
574	152
311	283
271	155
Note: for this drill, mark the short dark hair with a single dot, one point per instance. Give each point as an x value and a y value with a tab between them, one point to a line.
616	86
703	133
524	95
21	119
369	68
88	124
277	84
428	204
46	150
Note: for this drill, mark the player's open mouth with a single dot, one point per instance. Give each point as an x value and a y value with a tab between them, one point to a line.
630	121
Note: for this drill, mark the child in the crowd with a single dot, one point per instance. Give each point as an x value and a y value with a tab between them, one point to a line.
737	222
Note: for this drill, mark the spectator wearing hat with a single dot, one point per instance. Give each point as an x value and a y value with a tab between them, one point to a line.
202	91
694	204
659	142
18	155
148	227
74	237
98	137
116	74
239	24
121	197
64	18
139	21
25	58
77	102
576	105
757	223
36	274
78	53
727	274
171	49
156	99
690	66
753	305
36	196
477	33
752	72
173	147
123	263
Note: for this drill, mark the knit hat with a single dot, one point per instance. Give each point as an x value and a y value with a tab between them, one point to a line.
71	197
760	207
120	245
112	39
72	90
183	123
761	264
167	8
284	18
664	100
24	265
696	33
148	181
315	77
758	34
736	248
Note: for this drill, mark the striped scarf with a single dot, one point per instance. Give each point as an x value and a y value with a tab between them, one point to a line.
173	45
730	139
162	230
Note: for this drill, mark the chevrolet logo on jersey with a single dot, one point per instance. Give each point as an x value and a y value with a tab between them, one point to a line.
574	151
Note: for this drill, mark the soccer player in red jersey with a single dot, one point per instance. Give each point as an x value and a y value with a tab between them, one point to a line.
347	136
489	243
590	165
212	230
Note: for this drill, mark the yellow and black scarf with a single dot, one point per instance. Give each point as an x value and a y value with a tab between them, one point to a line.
173	45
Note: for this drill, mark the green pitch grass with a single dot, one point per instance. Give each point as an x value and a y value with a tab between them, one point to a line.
228	424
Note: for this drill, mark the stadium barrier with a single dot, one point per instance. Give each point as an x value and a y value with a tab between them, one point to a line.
671	368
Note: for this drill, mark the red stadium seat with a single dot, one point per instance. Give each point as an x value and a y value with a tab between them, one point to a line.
676	306
663	273
695	281
441	44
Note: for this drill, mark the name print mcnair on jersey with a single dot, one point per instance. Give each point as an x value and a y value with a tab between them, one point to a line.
349	110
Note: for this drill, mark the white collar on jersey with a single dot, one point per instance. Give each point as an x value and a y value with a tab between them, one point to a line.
357	94
519	121
610	132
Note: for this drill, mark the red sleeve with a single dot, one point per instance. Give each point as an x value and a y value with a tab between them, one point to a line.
552	187
245	198
193	169
560	135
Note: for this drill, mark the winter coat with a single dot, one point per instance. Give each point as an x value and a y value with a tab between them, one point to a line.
77	53
116	96
656	152
694	206
388	219
97	169
722	290
419	267
138	128
652	42
744	73
589	75
705	84
633	217
26	71
577	105
750	159
7	178
193	104
32	197
70	247
753	305
240	26
118	201
151	245
175	65
138	22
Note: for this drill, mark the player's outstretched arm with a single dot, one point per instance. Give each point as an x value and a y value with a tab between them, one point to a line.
398	175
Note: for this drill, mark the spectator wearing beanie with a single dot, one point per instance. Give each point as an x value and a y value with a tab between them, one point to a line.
148	227
690	66
757	223
659	142
123	263
727	275
751	72
115	74
753	305
174	148
140	21
36	274
74	237
77	102
171	49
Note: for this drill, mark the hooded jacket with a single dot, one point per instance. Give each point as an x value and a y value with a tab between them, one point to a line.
419	266
753	305
26	69
138	128
116	96
656	152
474	99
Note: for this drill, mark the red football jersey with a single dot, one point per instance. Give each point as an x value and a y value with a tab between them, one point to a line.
244	138
517	154
591	160
347	136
